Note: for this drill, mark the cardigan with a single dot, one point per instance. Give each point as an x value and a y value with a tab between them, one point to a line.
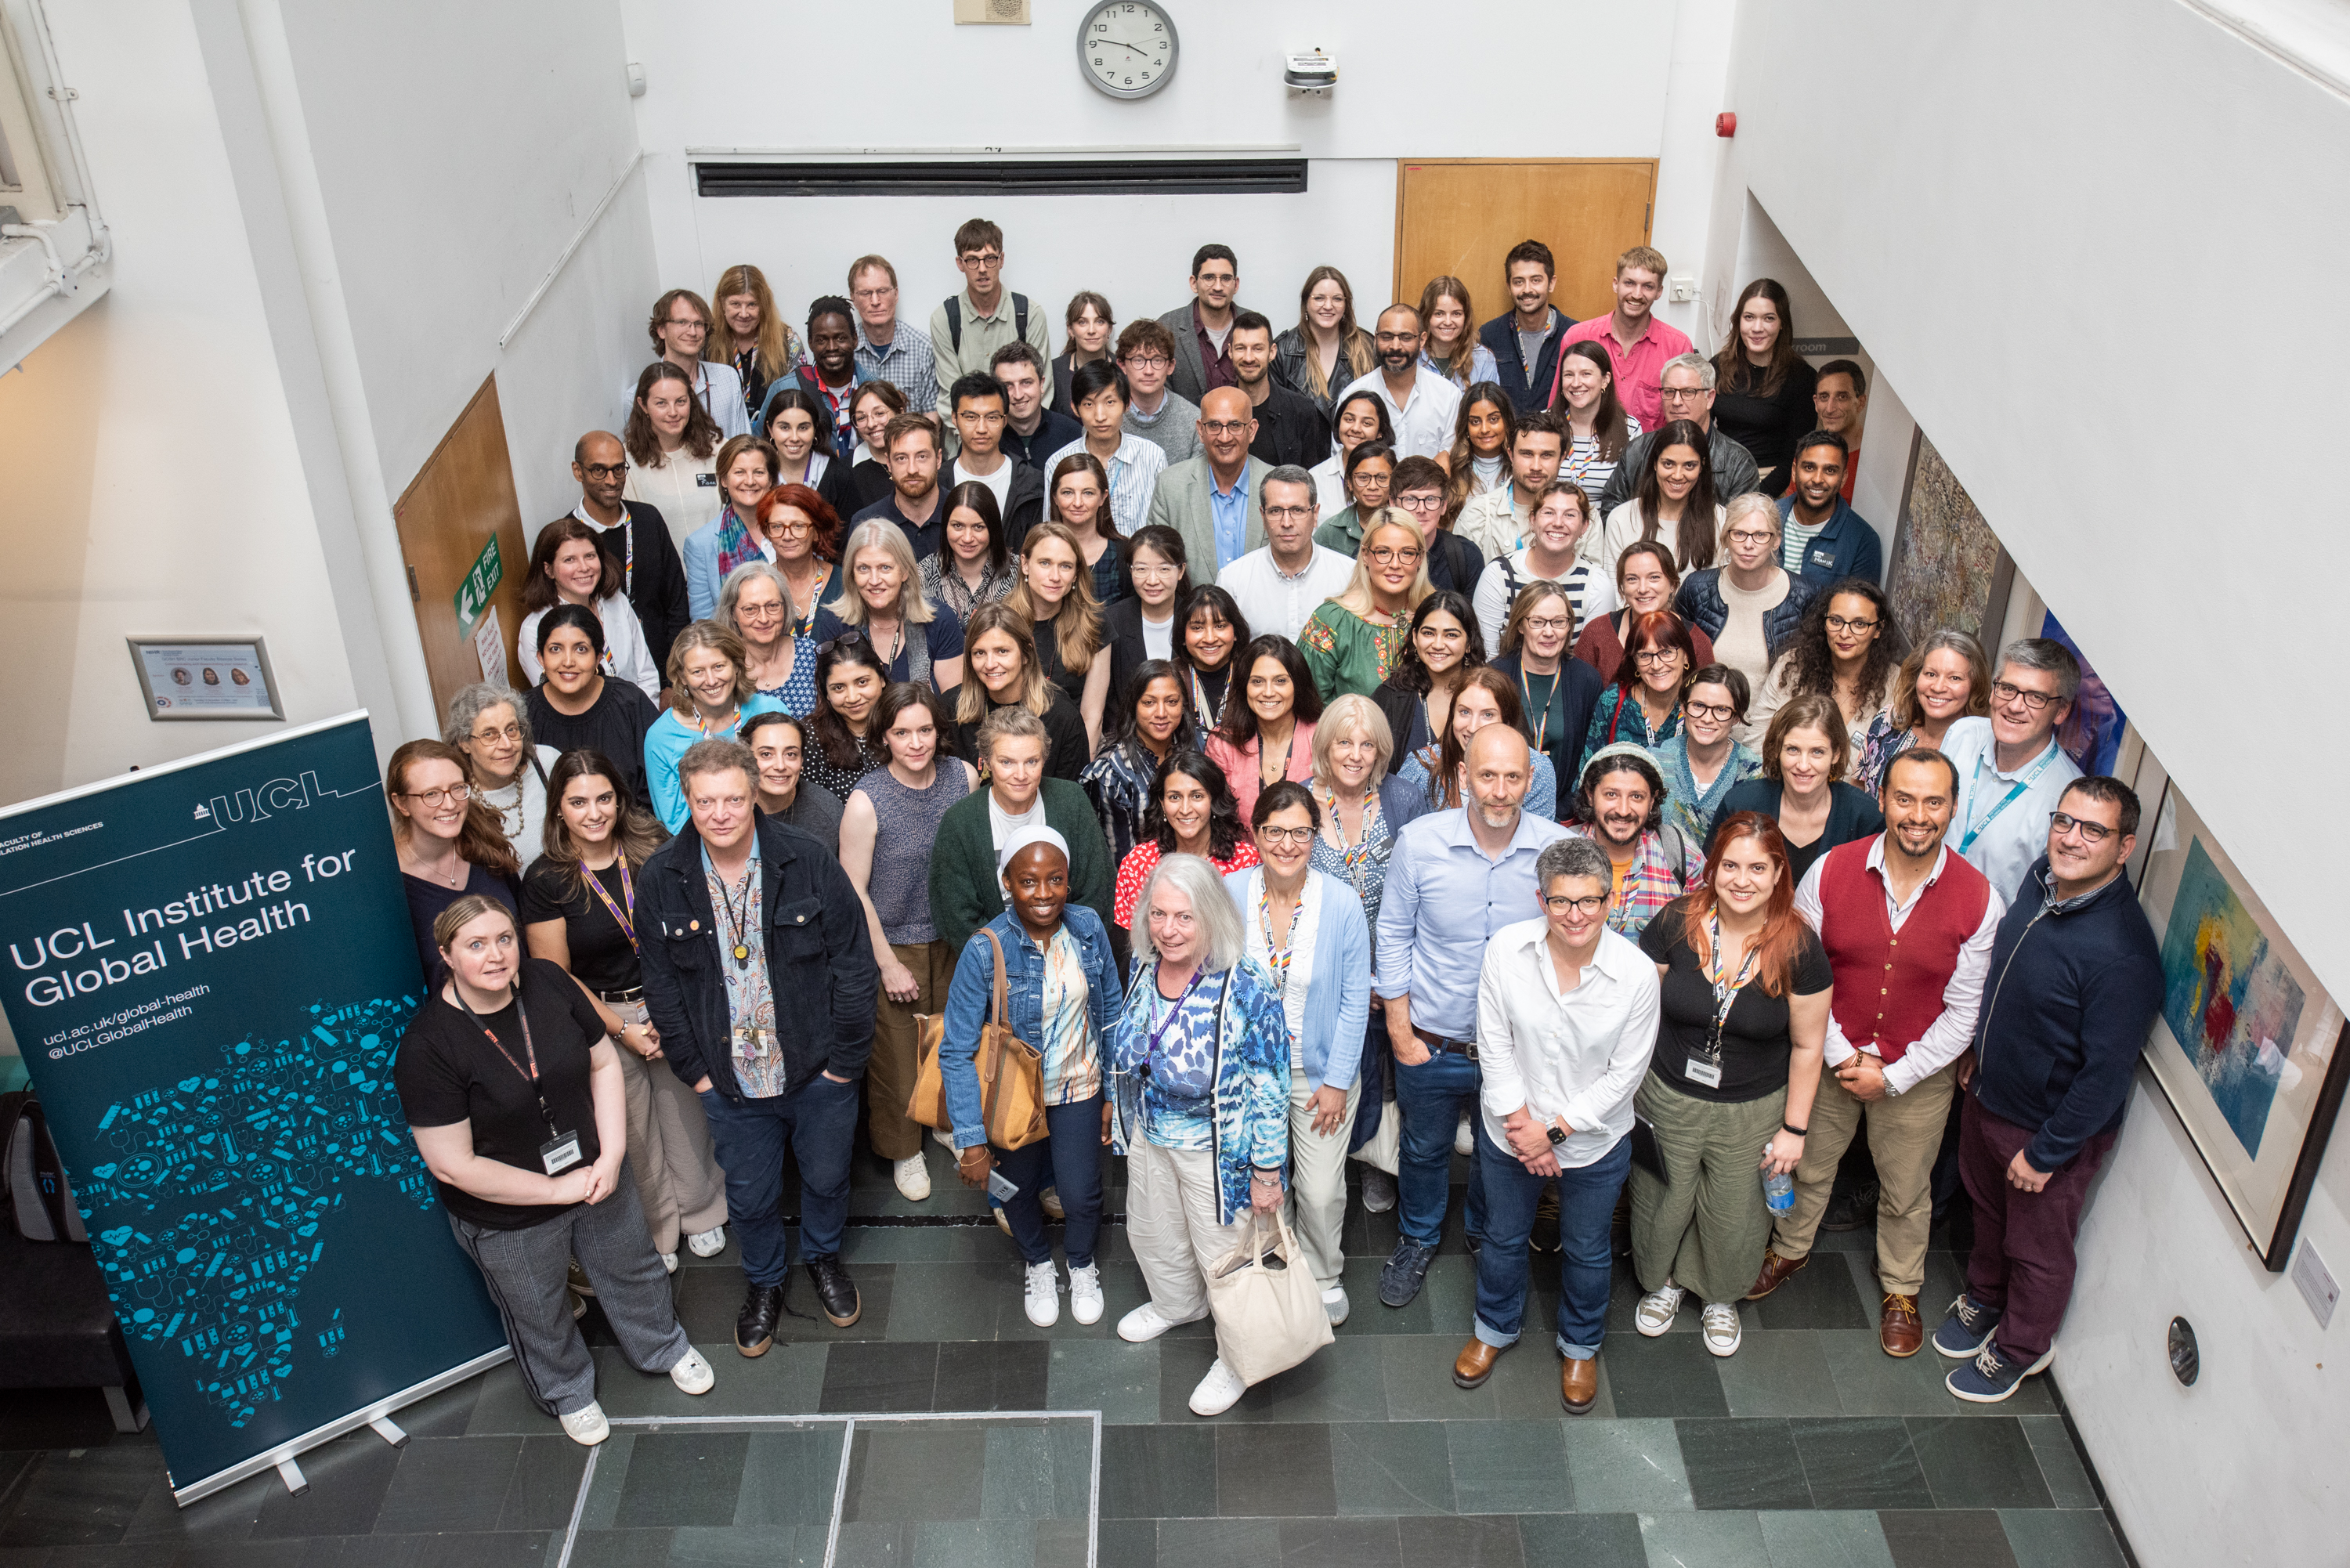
965	892
1338	993
1251	1077
1601	646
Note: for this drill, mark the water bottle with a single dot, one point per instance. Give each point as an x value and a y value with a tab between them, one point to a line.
1778	1187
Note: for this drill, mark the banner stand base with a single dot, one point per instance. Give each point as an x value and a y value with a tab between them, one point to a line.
281	1459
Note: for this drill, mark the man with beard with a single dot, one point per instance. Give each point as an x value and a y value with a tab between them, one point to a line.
1619	804
1420	403
912	441
634	539
1824	540
1908	928
1454	879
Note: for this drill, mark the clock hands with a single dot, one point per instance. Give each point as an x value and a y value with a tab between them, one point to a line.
1123	45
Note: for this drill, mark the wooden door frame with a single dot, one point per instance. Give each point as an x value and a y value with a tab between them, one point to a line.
1647	223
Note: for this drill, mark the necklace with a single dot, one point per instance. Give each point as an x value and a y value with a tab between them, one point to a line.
505	827
1277	956
733	722
738	919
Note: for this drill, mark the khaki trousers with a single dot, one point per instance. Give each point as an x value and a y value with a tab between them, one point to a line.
1171	1223
1317	1182
890	1075
678	1179
1904	1133
1704	1230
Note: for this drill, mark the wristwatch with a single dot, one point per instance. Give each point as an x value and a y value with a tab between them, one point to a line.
1557	1133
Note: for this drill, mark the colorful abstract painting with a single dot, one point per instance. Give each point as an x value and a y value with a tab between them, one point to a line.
2228	999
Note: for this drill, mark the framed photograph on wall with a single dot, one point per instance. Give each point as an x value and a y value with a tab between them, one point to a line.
2248	1047
206	677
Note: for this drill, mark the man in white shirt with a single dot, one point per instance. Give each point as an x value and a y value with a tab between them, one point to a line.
2012	772
1278	587
679	327
1420	403
1567	1016
1496	521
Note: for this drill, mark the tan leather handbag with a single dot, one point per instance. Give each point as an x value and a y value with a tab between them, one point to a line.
1011	1074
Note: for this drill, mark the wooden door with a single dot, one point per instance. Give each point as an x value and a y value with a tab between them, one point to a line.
1460	216
459	501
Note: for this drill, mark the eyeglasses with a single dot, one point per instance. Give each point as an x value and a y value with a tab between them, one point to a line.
758	612
1589	904
1398	339
790	530
1681	394
984	421
693	321
1658	656
1273	514
1225	427
1147	362
1421	501
875	293
1389	555
2006	691
1301	837
1757	536
980	258
1712	713
511	732
451	794
1548	623
2092	831
1163	569
604	470
1846	623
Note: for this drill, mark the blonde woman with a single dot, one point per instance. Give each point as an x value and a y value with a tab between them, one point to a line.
882	597
1451	348
751	336
1055	592
1326	352
709	671
1352	642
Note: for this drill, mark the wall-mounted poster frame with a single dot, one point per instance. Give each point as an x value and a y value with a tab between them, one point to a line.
183	678
2251	1053
1948	567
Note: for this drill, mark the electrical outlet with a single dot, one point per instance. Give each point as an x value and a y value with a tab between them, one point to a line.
2316	1283
1684	289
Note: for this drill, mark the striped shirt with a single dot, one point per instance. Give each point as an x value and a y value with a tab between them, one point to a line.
1133	474
1584	468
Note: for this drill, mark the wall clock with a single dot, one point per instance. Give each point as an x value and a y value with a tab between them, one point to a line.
1128	48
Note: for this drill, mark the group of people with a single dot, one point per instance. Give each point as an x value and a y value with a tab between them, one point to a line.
1164	702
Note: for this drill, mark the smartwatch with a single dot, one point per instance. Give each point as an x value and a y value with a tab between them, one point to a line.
1557	1136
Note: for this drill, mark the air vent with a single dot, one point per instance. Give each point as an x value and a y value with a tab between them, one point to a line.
1071	177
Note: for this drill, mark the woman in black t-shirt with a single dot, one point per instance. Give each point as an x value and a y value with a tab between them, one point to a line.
575	706
1742	1021
514	1096
574	901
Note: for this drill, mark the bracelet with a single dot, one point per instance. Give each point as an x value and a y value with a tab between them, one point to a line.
1265	1178
1791	1128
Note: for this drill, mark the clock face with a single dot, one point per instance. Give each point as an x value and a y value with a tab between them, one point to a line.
1128	48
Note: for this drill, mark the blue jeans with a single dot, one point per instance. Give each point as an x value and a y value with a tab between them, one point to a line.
1429	1098
819	1122
1069	1156
1586	1207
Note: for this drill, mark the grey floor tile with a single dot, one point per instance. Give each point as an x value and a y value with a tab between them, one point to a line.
347	1481
1825	1293
1672	1375
709	1546
621	1548
930	1471
1127	1544
1485	1540
975	1543
1977	1463
681	1478
1826	1537
219	1555
1340	1543
225	1517
1946	1538
871	1375
1278	1471
1701	1540
89	1496
1119	1379
449	1483
442	1415
875	1544
1627	1466
521	1548
1779	1372
992	1376
2046	1538
1344	1381
1158	1472
948	1301
1860	1462
1583	1540
2060	1462
1391	1468
1061	1543
1038	1469
1510	1466
787	1380
545	1486
1870	1383
790	1476
1748	1463
500	1406
1220	1542
1416	1372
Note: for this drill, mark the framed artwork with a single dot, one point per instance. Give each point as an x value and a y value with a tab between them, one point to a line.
2248	1047
1948	567
205	678
2093	731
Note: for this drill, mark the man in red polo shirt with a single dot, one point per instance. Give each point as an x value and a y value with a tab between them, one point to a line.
1908	929
1638	344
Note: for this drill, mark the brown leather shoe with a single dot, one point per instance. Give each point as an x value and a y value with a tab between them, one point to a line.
1899	1329
1475	1362
1578	1385
1776	1272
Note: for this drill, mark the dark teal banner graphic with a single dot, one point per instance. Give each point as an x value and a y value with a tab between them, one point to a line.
209	965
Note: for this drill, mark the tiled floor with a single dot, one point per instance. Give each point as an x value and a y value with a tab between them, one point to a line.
1810	1446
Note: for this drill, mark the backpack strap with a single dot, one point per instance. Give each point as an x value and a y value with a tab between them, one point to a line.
1019	317
955	321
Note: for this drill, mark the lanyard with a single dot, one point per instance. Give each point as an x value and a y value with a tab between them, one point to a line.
1174	1010
530	1073
1725	996
730	726
1526	690
622	910
1277	959
627	526
1974	829
739	922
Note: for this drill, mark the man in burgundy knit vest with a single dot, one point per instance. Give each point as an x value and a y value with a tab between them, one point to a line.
1908	928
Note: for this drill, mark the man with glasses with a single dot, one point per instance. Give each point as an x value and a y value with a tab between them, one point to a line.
1418	490
1290	430
1280	586
911	443
679	327
1454	879
1567	1016
888	349
2012	772
1421	404
967	328
1825	540
980	421
1638	345
635	538
1908	928
1687	393
1146	352
1033	430
1202	329
1216	500
2076	979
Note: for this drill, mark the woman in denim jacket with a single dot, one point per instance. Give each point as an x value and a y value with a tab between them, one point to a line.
1061	995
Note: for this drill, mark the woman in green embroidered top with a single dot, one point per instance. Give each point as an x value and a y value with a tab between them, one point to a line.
1352	642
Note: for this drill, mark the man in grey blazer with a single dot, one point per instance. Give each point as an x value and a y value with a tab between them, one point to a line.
1215	281
1216	500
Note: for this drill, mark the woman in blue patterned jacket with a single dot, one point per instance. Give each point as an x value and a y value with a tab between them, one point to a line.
1200	1097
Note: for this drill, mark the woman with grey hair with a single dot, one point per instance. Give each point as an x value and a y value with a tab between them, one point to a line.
882	598
506	769
1199	1065
757	603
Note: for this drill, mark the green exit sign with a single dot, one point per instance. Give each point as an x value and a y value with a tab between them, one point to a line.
474	592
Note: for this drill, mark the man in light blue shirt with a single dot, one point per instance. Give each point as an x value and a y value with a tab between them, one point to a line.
2012	772
1455	878
1227	425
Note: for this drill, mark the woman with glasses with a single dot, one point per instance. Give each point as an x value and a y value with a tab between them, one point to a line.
1597	427
1213	633
1006	673
1444	646
448	841
1644	706
1192	813
1749	604
1646	577
1055	593
1557	694
1439	770
1326	352
1705	762
1141	626
506	769
798	425
754	605
1673	503
804	531
972	566
1352	642
1130	465
567	567
843	744
916	639
672	446
1945	680
1806	753
746	472
1361	418
713	696
1847	649
575	706
1267	736
1561	516
1368	472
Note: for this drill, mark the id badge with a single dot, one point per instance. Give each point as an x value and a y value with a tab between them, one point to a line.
1000	1190
1701	1071
560	1153
755	1045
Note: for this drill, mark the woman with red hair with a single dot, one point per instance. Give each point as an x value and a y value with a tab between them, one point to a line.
1644	705
1742	1021
804	540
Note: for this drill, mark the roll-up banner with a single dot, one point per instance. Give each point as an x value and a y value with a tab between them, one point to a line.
211	964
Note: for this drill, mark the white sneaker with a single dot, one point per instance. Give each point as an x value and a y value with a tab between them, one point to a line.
587	1425
1044	1294
913	1178
669	1262
1086	1294
1219	1391
692	1374
1335	1302
1146	1323
1657	1309
1723	1332
707	1243
939	1135
1464	1140
1049	1201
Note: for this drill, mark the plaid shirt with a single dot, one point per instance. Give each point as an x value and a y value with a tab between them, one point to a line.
1652	882
905	365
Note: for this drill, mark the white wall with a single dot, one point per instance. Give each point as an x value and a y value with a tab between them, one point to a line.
2036	244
